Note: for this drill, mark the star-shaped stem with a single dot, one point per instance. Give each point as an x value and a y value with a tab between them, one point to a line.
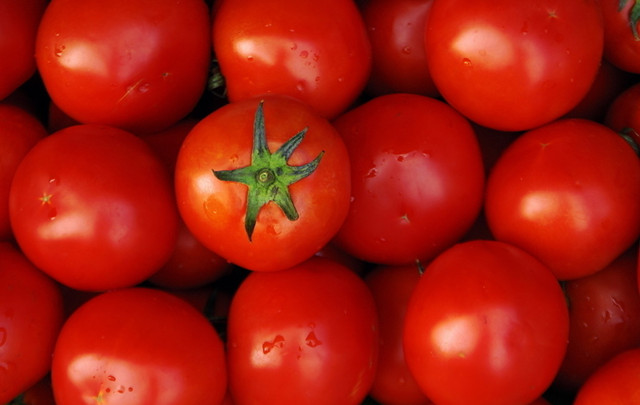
269	175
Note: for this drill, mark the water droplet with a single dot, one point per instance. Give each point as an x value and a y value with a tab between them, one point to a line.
249	58
466	62
304	54
300	86
58	50
144	87
406	50
400	158
111	378
130	389
107	390
53	213
294	46
372	172
312	340
278	342
121	389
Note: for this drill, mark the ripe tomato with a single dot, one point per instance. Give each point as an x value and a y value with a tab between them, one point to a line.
18	26
621	37
615	383
304	335
93	207
623	115
140	65
391	287
282	218
604	311
317	52
486	324
514	65
396	32
135	346
31	314
567	193
417	179
19	131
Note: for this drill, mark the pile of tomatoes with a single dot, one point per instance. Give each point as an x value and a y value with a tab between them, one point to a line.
395	202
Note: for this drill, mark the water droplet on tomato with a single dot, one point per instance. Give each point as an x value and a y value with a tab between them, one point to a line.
111	378
58	50
144	87
466	62
278	342
406	50
304	54
312	340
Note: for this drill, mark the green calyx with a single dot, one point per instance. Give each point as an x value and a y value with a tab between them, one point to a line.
634	16
269	175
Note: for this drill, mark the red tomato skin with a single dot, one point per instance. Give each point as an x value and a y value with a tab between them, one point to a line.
417	179
138	345
604	311
486	324
623	114
396	32
391	287
143	63
19	22
621	48
567	193
317	52
19	131
543	56
93	207
31	315
308	334
214	210
615	382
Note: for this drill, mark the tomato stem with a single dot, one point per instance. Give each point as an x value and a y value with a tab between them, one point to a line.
269	176
634	16
631	136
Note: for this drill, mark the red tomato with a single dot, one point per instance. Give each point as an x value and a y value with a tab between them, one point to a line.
317	52
486	324
514	65
567	193
135	346
417	179
396	32
391	288
604	311
282	218
31	314
623	114
19	131
136	64
41	393
615	383
621	38
305	335
93	207
18	26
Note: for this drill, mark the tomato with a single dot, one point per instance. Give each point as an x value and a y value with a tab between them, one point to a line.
317	52
417	179
396	32
391	287
567	193
31	314
138	345
19	131
243	193
93	207
191	264
140	65
18	26
486	324
604	311
621	46
304	335
41	393
623	115
616	382
514	65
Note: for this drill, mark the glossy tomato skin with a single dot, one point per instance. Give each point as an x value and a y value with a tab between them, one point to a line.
604	311
616	382
417	179
214	210
31	314
396	32
19	131
143	64
391	287
138	345
623	114
93	207
308	334
486	324
621	46
317	52
568	194
542	56
19	22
